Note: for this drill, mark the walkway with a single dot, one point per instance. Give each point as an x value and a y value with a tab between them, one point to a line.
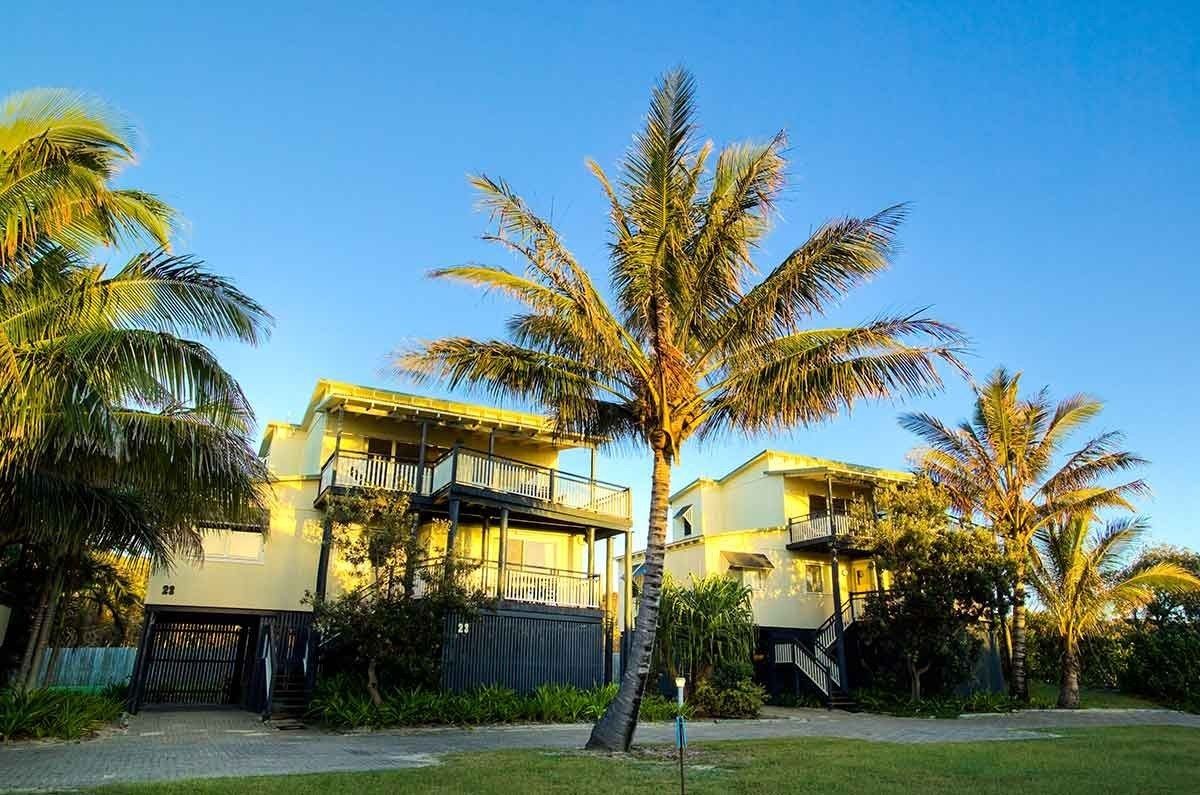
175	745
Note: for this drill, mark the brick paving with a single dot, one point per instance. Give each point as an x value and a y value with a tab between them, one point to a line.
202	744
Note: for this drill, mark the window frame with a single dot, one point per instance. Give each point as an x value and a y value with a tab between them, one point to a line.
226	557
820	578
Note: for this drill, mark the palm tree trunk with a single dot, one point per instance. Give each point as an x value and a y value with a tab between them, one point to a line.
35	630
43	638
614	731
1068	688
1019	687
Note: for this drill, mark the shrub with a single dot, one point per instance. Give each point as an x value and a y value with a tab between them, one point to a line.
63	714
1164	664
343	702
890	703
740	699
659	708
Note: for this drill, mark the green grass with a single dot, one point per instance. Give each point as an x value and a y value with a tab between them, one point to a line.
1092	699
1095	761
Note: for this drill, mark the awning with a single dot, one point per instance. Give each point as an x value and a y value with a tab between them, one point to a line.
747	560
683	511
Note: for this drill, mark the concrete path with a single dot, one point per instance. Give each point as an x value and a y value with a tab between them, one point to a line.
177	745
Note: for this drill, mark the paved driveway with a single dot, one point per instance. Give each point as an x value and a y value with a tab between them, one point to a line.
174	745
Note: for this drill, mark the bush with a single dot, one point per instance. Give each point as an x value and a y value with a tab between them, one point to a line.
1164	664
740	699
889	703
64	714
1103	657
660	708
343	702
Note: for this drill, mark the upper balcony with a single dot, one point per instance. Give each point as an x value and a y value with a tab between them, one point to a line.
485	478
820	531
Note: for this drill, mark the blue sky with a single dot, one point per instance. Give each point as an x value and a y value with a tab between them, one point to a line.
319	155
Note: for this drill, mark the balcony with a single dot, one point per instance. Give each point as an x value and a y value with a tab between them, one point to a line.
483	477
822	530
525	584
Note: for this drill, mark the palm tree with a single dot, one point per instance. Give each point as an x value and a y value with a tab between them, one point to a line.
692	345
1080	579
58	152
118	433
1001	466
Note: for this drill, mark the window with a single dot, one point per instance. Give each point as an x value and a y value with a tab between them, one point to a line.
379	447
818	505
814	578
749	578
683	522
233	546
521	552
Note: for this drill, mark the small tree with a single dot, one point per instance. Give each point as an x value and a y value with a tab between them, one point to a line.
706	626
387	630
1079	578
944	580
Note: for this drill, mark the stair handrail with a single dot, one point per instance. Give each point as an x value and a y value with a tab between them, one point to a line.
819	674
268	662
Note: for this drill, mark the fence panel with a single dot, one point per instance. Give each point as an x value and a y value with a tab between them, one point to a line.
87	666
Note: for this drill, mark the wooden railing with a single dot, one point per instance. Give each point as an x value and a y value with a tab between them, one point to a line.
816	671
529	584
363	470
466	467
819	526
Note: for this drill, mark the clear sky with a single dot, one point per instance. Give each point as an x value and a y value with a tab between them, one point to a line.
319	155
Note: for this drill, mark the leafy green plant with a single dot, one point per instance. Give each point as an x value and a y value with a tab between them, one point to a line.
63	714
740	699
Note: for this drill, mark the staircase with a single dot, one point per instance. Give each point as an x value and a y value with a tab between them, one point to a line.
817	661
289	696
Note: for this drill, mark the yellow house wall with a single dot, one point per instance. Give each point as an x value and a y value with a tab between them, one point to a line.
748	500
288	568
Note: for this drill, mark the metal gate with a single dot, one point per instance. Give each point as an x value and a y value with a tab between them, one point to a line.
196	661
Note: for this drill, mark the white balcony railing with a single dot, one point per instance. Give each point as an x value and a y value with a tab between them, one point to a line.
480	470
528	584
363	470
820	526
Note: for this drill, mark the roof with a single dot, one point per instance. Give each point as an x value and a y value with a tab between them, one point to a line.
328	395
806	465
747	560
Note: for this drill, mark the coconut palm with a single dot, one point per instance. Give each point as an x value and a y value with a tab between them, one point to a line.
59	150
1080	578
693	344
118	433
1004	465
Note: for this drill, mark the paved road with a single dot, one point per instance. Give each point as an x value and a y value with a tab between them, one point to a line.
175	745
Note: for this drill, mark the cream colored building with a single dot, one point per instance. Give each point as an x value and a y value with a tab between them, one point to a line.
781	524
538	539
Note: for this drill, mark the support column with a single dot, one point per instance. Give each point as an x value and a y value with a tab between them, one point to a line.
452	536
323	560
591	559
608	577
628	584
838	624
502	558
421	485
484	532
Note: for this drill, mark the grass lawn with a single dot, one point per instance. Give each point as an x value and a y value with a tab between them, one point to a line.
1093	761
1092	699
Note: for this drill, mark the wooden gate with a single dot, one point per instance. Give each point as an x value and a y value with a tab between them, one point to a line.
196	661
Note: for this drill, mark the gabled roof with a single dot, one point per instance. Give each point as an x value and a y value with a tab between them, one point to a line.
806	466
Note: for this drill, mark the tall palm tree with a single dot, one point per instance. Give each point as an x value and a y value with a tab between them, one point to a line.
1001	465
118	433
1080	579
59	151
693	344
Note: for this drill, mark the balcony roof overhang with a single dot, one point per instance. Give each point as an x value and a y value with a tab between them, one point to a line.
845	474
370	401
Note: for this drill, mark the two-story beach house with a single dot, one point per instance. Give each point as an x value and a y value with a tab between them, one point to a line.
781	523
236	628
